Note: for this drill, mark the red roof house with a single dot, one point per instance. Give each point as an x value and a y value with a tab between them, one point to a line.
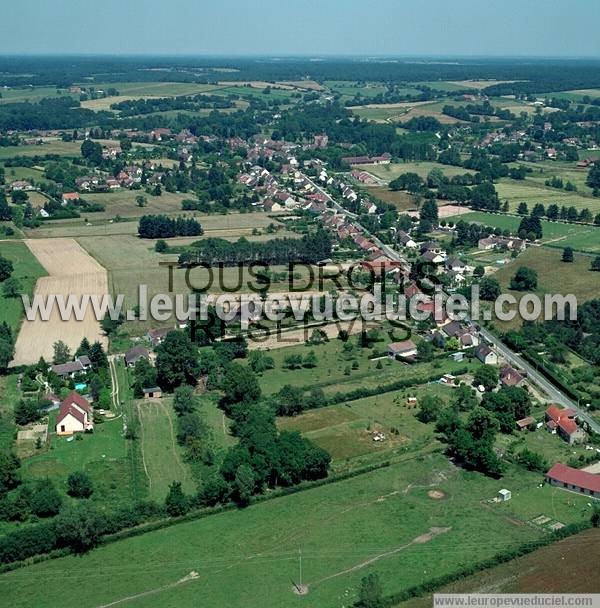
573	479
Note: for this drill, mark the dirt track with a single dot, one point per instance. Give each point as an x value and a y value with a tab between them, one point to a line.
71	270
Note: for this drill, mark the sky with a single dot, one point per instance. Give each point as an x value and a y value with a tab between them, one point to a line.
549	28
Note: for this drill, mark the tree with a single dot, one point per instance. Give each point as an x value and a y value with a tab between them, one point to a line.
79	527
292	362
532	461
525	279
184	400
370	592
425	350
595	264
310	360
259	362
141	200
289	401
478	271
10	476
45	501
533	225
62	353
486	376
91	151
593	178
161	246
522	209
489	289
244	485
484	196
429	212
567	255
79	485
177	361
429	409
239	385
176	502
6	268
26	411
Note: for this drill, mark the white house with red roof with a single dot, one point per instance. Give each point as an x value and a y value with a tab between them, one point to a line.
74	416
562	421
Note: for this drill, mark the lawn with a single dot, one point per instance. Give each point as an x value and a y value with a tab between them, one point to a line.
27	270
102	454
383	522
162	457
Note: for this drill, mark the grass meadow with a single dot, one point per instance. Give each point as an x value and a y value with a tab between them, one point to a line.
27	270
383	522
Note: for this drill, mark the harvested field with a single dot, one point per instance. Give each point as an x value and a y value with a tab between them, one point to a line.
71	271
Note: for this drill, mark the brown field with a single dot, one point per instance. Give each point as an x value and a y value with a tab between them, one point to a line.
403	201
256	84
303	84
479	84
71	271
577	558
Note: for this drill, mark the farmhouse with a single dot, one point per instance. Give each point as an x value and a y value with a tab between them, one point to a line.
486	355
525	423
562	422
562	476
133	355
74	415
406	240
402	350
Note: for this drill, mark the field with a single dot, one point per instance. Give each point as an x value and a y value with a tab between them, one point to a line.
383	522
70	271
531	192
393	170
161	456
535	572
555	234
346	430
403	201
27	270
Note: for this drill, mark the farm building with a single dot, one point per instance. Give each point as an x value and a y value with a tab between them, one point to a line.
75	415
562	476
525	423
153	392
156	336
562	422
510	376
504	495
402	350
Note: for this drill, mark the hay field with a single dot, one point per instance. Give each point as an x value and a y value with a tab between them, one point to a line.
71	271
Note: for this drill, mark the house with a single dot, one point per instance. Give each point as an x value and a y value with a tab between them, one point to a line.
157	336
19	185
69	369
270	205
562	421
74	416
403	350
133	355
574	480
152	393
525	423
510	376
486	355
69	197
406	240
455	265
432	257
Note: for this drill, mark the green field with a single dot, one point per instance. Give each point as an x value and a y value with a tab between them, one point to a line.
555	234
345	430
32	94
27	270
382	522
162	458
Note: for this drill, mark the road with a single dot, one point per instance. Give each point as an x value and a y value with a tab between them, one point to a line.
555	394
391	253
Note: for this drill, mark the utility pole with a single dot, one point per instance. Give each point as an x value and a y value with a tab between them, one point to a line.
300	565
